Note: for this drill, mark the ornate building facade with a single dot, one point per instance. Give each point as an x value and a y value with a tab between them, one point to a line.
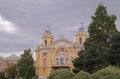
53	54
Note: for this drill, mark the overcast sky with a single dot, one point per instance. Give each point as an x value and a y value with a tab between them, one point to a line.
22	22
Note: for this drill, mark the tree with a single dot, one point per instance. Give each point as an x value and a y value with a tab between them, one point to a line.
26	65
114	53
100	31
11	72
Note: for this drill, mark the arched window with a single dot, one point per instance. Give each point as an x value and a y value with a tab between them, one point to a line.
80	40
57	61
44	62
45	42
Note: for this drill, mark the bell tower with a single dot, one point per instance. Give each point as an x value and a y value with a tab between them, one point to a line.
47	38
81	36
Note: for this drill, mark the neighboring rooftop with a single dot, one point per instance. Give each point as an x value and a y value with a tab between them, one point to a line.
12	57
1	57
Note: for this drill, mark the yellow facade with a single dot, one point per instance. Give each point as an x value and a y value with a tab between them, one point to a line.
53	54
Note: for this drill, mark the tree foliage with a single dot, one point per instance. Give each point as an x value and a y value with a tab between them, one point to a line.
53	73
11	72
100	31
107	73
114	52
2	75
81	75
26	65
87	61
66	74
61	74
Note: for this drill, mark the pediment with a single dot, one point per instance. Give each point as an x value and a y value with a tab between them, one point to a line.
63	42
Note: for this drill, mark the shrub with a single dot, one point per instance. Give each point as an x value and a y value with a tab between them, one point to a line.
107	73
81	75
53	73
66	74
60	74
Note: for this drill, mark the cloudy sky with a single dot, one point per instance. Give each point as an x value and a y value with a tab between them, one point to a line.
22	22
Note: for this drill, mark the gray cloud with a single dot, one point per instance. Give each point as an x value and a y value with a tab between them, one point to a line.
32	16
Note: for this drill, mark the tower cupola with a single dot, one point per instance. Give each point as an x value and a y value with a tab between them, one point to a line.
81	36
47	38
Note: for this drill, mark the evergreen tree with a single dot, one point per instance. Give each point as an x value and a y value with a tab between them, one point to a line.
114	53
100	31
26	65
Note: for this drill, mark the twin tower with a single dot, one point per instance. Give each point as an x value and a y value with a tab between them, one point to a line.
54	54
48	38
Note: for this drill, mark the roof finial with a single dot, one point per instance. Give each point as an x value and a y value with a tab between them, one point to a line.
62	36
49	28
82	26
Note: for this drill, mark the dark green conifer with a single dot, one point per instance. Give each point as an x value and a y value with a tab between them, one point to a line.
100	30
